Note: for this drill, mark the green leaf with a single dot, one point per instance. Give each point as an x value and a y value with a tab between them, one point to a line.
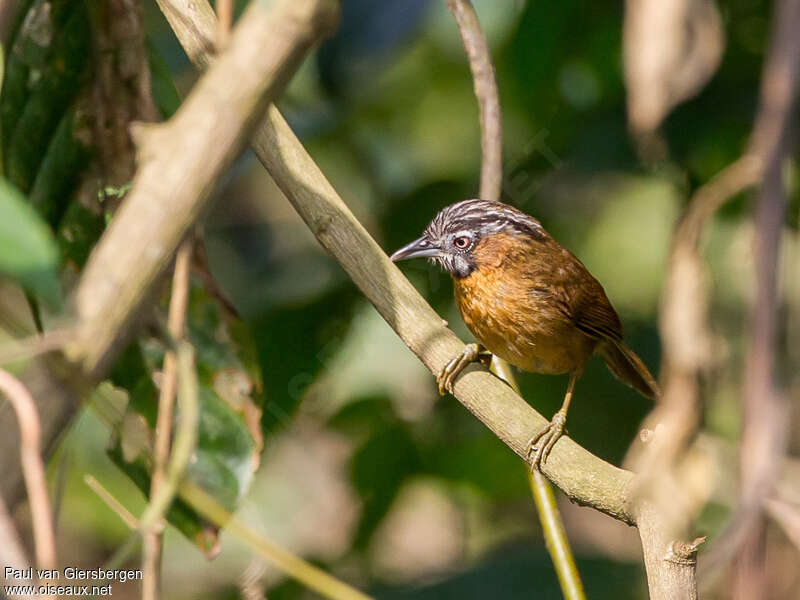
165	93
60	170
294	344
224	460
378	470
28	134
28	252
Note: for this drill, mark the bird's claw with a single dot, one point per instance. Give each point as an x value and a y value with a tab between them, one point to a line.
448	374
542	443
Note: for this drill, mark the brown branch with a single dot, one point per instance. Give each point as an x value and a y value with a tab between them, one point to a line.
684	313
175	325
225	18
179	161
765	414
32	468
480	64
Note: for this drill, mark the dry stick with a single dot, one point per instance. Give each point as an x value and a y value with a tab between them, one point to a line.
182	450
687	350
115	505
766	411
778	90
185	438
176	319
787	515
683	322
225	18
584	477
480	64
486	91
32	468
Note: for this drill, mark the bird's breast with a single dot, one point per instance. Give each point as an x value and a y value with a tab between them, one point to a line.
518	319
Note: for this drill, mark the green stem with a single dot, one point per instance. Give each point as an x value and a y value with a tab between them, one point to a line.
304	572
555	536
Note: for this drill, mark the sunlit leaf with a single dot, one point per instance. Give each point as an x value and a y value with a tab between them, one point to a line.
28	252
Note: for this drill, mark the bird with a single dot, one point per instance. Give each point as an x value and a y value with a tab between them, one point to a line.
527	300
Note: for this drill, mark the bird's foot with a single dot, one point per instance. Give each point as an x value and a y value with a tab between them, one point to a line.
447	376
542	443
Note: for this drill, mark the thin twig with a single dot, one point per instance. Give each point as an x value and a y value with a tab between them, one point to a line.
35	345
488	96
32	468
311	576
686	340
225	18
556	537
115	505
685	331
765	412
182	450
480	64
185	438
250	586
787	515
764	407
176	319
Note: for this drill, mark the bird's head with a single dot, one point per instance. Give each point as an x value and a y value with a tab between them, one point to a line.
453	238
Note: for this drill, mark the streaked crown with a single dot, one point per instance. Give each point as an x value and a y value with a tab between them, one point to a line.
483	217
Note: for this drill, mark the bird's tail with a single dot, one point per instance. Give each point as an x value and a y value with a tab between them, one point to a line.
628	368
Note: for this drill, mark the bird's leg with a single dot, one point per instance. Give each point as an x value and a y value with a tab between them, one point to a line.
541	444
470	354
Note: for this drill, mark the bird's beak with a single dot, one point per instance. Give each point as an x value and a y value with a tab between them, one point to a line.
419	248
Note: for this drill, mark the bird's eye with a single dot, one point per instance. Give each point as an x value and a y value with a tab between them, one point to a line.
462	242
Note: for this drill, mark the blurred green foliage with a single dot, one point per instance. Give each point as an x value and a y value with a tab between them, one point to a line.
387	109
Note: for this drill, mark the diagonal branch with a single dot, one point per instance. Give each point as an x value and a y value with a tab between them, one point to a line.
179	298
179	162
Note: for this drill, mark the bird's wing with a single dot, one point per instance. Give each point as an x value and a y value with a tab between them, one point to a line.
598	319
590	308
